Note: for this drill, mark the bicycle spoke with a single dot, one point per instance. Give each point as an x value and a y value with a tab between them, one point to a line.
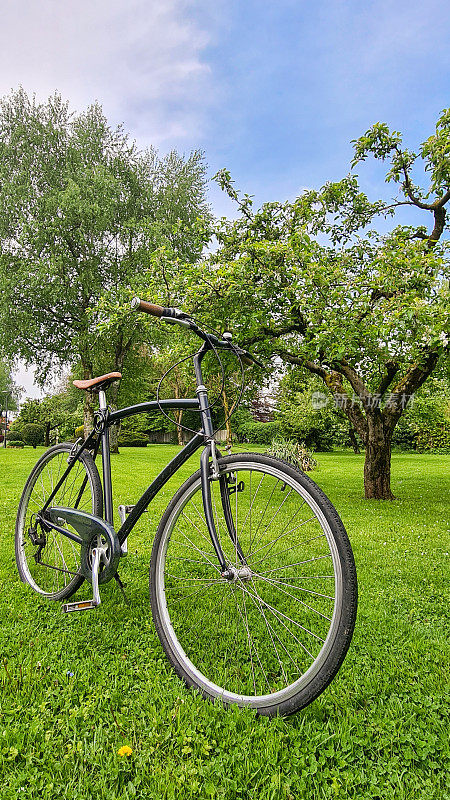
259	634
293	547
58	566
256	652
297	564
281	535
300	588
198	550
276	611
276	615
297	599
270	629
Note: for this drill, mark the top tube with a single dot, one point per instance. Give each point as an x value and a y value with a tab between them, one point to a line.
190	403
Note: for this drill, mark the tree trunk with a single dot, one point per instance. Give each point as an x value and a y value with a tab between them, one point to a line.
377	465
353	441
114	438
47	434
227	418
88	408
88	413
179	417
114	429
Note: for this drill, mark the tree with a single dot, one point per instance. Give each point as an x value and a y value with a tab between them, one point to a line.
8	386
83	214
9	395
367	314
59	413
307	414
33	434
425	426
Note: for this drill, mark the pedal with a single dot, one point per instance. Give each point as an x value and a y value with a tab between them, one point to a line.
84	605
81	606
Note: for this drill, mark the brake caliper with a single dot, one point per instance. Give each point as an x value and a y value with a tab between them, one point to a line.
233	486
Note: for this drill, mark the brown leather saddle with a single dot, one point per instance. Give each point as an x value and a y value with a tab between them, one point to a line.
96	384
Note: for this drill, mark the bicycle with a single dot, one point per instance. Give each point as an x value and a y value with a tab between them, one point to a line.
253	584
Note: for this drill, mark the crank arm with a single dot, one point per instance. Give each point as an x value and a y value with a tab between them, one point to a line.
97	553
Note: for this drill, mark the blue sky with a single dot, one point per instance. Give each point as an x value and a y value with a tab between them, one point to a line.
274	91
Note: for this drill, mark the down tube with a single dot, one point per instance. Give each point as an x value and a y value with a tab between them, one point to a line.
197	441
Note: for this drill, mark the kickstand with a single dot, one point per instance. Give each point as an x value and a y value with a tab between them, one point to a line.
121	585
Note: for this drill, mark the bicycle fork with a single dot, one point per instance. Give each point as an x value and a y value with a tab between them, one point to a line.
209	472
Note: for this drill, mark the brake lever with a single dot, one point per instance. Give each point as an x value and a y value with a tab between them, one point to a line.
185	323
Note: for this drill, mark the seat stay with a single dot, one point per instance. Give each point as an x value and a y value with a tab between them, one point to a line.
71	463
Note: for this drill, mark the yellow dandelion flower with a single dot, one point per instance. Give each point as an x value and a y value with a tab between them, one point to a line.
124	751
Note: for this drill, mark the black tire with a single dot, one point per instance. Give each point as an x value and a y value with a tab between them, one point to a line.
54	571
253	641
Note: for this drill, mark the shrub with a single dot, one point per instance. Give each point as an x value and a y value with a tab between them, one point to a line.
14	443
294	453
434	438
259	432
133	440
33	434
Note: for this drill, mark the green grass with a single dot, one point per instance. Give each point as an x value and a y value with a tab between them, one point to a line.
378	731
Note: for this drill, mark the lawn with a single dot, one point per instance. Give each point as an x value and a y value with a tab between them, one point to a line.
75	688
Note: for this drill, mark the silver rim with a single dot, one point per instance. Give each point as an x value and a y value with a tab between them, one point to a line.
262	638
60	558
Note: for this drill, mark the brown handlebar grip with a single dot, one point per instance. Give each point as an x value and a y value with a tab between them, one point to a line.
148	308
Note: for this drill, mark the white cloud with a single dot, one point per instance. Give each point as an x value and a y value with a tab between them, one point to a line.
141	59
24	377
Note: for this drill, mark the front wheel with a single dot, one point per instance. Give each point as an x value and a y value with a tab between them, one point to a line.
273	633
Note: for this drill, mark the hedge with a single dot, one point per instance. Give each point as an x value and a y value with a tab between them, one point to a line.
133	440
260	432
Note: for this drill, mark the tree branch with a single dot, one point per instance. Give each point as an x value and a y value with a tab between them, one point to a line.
275	333
317	369
441	201
408	185
439	223
413	380
353	378
333	381
391	370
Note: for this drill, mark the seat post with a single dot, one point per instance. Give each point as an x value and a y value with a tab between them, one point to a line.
106	463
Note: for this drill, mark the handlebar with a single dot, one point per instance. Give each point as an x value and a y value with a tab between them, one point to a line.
149	308
174	315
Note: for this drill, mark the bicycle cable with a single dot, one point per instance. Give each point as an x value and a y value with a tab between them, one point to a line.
217	400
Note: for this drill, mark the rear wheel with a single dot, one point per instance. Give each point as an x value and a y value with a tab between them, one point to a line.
48	560
274	632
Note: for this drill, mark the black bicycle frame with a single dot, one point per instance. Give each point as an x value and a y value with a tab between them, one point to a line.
105	418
